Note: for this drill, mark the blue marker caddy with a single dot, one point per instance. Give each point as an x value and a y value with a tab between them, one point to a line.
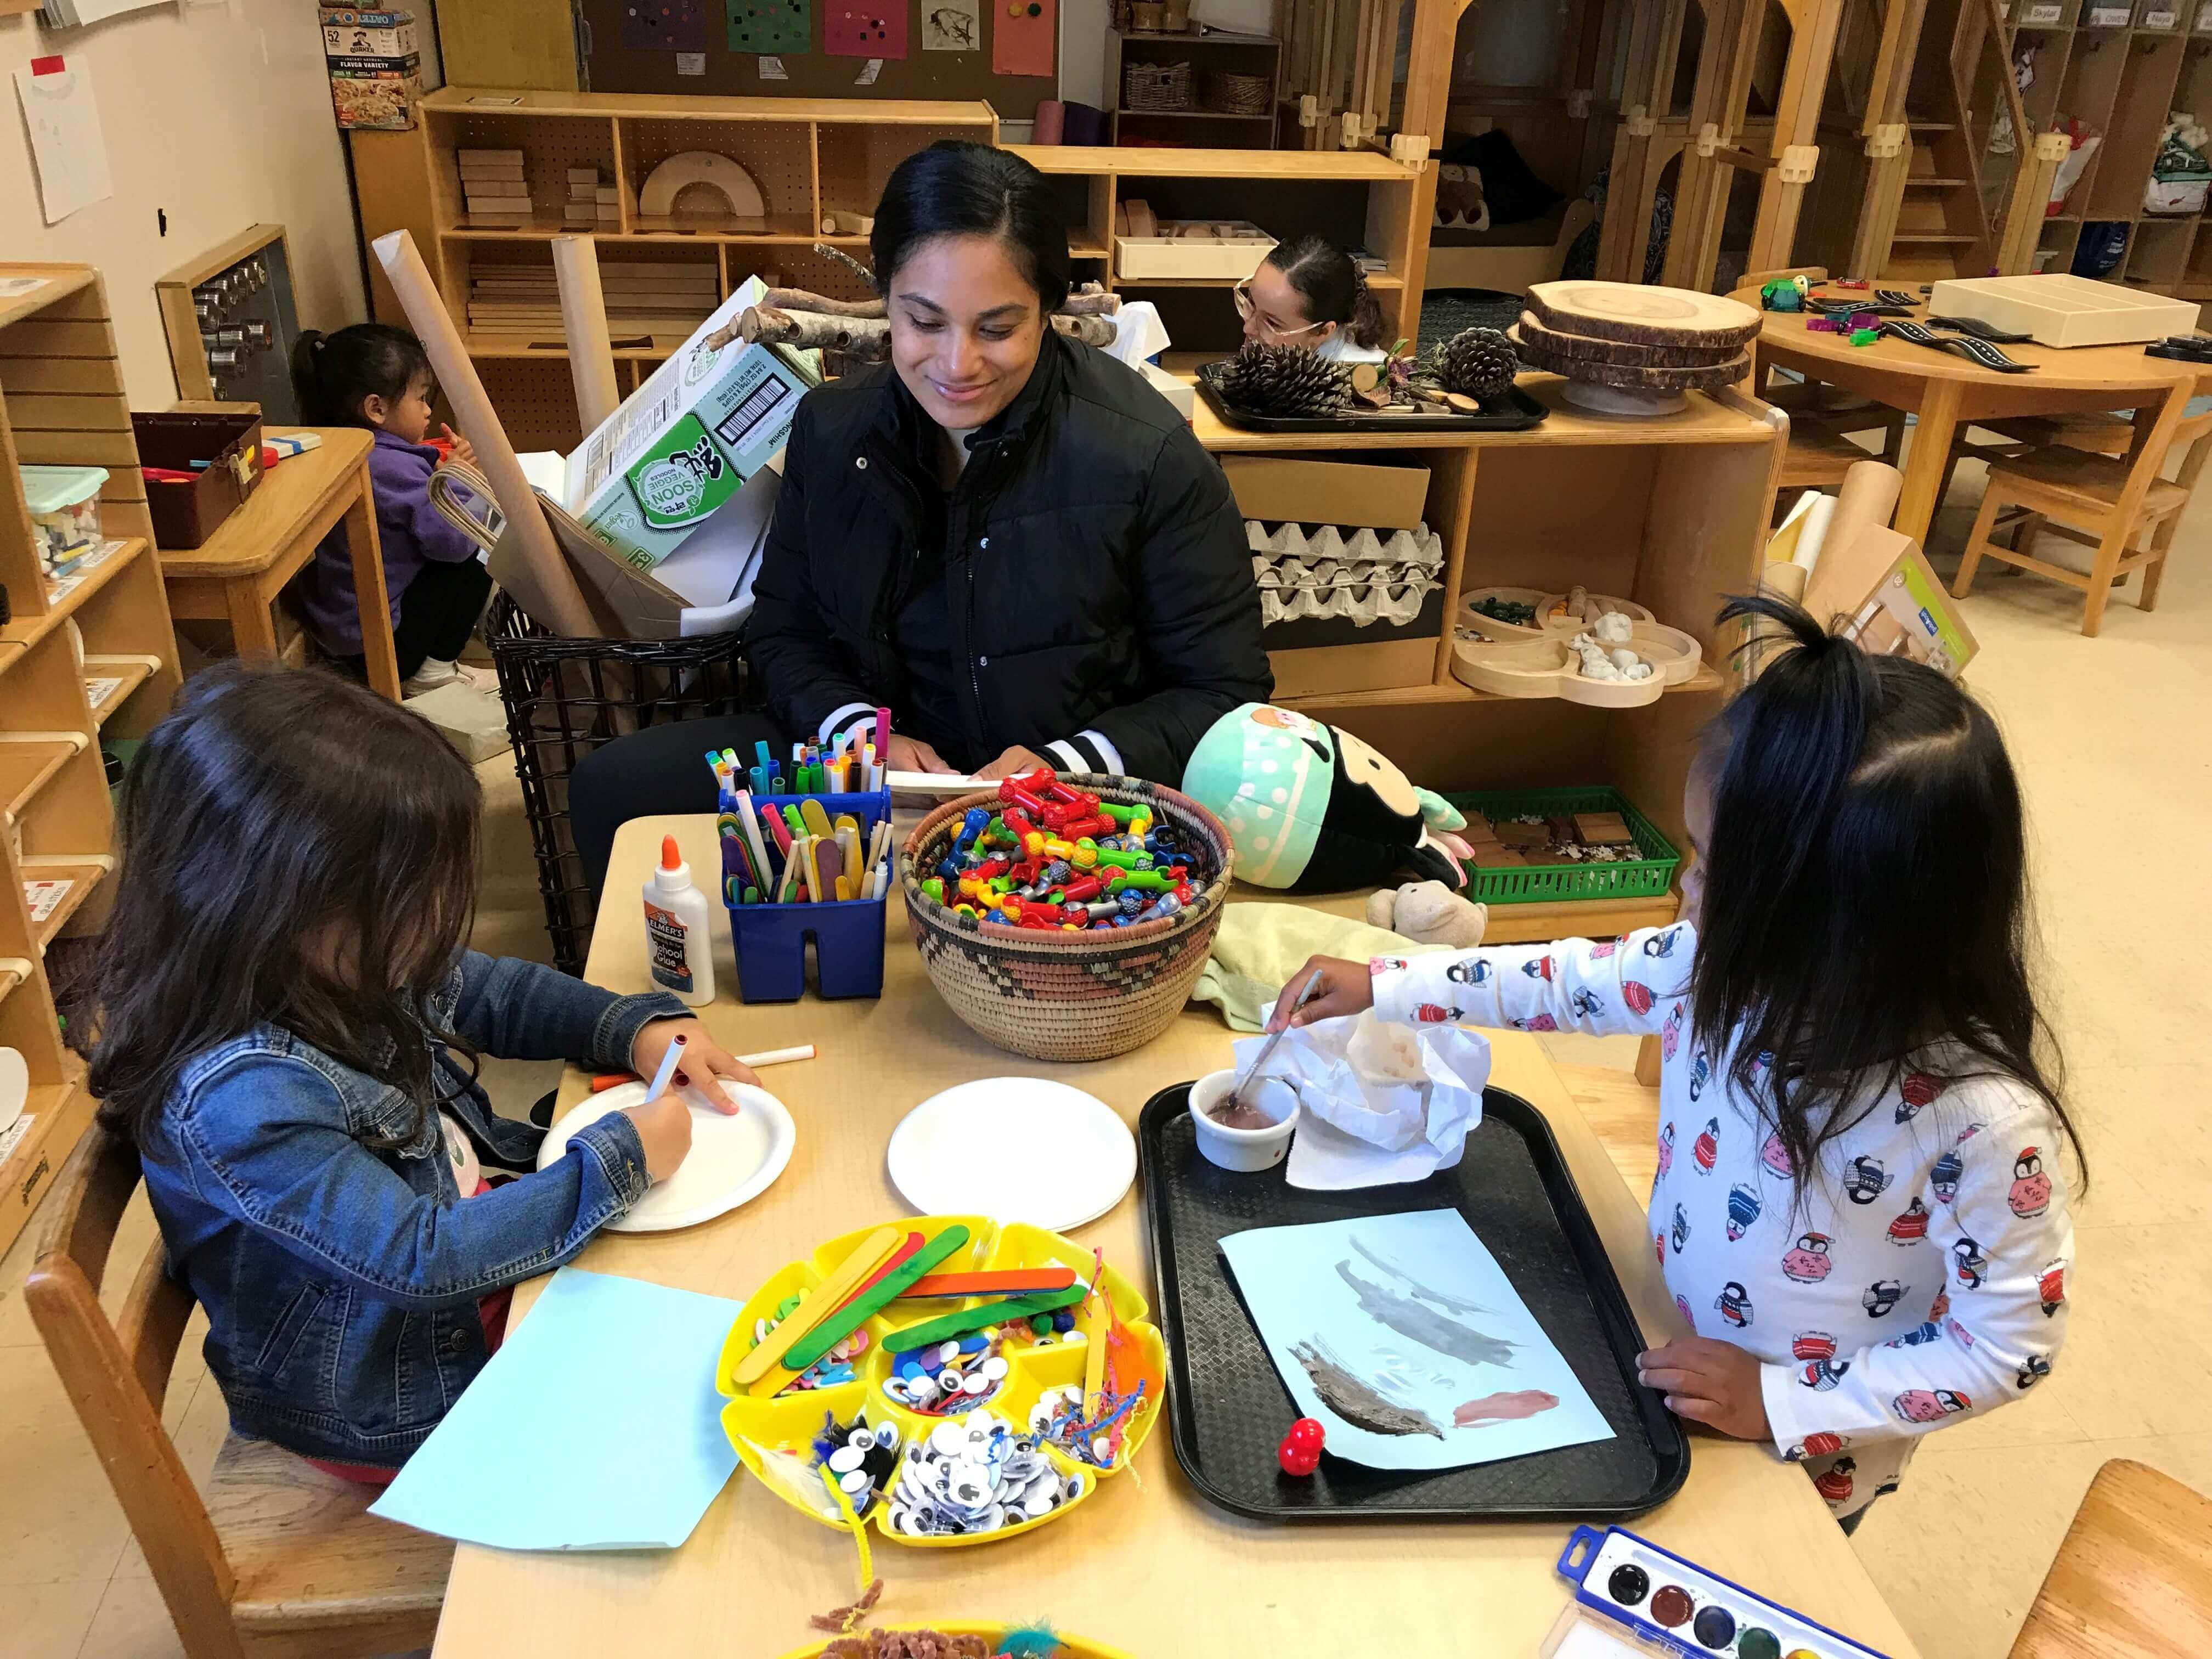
770	939
1619	1576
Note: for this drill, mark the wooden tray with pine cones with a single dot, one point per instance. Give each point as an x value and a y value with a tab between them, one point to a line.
1510	410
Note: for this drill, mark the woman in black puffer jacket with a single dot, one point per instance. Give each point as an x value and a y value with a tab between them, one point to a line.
1005	537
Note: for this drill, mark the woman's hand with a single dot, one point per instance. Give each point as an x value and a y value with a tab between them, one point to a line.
1015	761
1341	988
704	1060
911	754
463	450
1716	1383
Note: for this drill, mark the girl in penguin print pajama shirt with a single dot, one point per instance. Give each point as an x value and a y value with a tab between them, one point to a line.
1863	1217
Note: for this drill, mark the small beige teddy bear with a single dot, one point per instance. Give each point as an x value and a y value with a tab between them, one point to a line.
1428	913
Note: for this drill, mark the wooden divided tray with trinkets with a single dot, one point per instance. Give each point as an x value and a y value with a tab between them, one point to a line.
944	1379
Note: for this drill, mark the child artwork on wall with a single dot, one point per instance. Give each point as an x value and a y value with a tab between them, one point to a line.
864	28
951	25
1024	33
1402	1334
779	27
664	26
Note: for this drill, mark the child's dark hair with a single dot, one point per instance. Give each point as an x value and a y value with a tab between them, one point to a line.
298	852
1331	283
1866	888
955	188
332	374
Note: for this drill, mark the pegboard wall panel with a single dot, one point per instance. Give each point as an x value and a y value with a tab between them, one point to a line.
802	267
536	401
551	145
776	154
855	160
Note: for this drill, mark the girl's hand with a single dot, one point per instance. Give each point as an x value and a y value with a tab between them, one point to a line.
463	450
704	1060
1015	761
1343	987
1716	1383
911	754
665	1127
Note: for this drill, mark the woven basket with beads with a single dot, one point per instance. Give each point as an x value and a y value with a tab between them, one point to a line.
1060	994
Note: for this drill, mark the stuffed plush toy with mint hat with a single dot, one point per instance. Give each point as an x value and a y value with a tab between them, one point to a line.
1312	809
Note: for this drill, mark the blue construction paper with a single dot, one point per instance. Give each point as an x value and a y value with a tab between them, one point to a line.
596	1426
1416	1330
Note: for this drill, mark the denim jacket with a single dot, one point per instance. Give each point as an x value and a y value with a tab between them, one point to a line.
341	1283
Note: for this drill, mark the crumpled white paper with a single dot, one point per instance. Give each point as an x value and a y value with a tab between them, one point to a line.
1139	334
1381	1103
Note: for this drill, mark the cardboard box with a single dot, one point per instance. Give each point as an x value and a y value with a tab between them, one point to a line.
1179	392
376	94
348	34
1328	670
1909	614
1356	496
684	443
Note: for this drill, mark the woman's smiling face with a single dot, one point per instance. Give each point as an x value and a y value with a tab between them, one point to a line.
966	326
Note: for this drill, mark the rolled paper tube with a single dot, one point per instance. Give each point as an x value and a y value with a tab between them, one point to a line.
584	320
1867	496
558	595
1051	122
1783	580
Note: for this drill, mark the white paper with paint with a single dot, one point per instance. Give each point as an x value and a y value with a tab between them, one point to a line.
771	68
951	25
1404	1337
65	139
517	1464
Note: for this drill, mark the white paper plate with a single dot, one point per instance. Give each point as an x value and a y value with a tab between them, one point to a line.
1014	1148
731	1160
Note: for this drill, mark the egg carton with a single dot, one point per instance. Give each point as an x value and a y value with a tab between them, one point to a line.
1328	573
1292	543
1396	603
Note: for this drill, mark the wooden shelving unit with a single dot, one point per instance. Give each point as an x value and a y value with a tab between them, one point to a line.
62	401
811	157
1207	51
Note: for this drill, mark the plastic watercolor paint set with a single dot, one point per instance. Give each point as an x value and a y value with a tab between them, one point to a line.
943	1379
1626	1585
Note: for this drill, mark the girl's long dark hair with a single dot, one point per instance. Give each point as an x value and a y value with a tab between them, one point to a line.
955	188
1330	282
296	851
1866	889
333	374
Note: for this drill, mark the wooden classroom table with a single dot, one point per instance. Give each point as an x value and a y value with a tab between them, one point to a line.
236	575
1950	393
1146	1565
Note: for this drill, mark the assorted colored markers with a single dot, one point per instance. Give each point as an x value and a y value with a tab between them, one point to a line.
803	850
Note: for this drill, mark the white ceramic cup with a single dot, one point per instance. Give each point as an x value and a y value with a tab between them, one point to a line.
1244	1149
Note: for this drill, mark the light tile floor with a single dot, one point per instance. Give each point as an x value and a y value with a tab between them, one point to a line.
2109	737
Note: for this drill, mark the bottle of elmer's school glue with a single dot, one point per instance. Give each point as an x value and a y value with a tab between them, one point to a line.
676	930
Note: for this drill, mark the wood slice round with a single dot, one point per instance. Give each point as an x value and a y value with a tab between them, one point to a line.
1619	351
1628	374
1637	315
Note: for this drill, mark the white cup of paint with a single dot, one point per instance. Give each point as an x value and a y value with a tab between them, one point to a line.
1244	1149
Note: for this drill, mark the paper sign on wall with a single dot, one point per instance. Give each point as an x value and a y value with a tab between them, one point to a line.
1022	35
784	27
864	28
664	26
65	139
951	25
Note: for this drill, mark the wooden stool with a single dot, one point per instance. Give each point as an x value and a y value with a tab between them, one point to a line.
279	1558
2112	501
2133	1579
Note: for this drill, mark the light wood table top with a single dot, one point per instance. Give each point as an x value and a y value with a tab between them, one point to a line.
1146	1565
292	495
1948	392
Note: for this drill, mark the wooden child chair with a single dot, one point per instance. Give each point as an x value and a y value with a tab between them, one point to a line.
2133	1579
2111	501
278	1560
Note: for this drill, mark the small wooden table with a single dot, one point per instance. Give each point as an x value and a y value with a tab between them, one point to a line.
1145	1566
236	575
1948	392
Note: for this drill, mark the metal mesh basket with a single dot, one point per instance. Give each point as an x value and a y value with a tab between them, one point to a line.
564	698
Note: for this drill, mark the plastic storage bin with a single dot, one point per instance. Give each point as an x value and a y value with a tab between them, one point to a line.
64	503
770	939
1644	877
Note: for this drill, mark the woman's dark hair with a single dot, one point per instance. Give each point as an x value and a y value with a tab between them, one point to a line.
333	373
1330	282
296	851
955	188
1866	889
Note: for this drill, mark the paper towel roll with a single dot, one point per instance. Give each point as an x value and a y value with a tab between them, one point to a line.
584	320
1867	496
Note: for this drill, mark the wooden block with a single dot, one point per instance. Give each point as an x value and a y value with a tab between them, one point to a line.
609	194
514	155
1512	834
1602	829
584	176
472	171
1489	857
476	187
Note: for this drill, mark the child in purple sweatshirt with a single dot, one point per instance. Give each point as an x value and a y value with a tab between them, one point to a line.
376	376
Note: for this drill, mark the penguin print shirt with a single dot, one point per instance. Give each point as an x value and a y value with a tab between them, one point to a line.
1918	1278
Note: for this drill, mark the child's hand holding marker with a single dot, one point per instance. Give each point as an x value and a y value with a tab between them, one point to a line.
1716	1383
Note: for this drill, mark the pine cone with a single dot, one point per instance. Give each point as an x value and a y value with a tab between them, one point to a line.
1478	362
1285	382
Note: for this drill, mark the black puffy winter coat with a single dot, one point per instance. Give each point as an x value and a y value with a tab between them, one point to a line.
1097	593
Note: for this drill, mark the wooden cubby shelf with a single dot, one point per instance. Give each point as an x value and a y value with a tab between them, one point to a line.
26	764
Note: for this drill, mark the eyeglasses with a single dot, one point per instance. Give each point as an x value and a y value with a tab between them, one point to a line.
1245	306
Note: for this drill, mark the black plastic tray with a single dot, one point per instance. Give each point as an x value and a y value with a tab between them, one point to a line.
1228	1408
1511	410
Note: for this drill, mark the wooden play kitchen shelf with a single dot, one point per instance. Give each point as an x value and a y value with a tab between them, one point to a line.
813	159
62	402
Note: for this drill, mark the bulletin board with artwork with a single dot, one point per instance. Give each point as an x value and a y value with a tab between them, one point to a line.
1000	49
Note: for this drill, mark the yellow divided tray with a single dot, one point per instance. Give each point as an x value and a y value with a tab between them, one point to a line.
1071	1647
791	1418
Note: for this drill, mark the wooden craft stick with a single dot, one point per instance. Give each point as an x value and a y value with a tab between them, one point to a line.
822	1299
1093	1323
1007	1281
973	1319
857	1313
891	1264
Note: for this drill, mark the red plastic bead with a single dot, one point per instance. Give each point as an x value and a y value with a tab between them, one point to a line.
1306	1431
1297	1460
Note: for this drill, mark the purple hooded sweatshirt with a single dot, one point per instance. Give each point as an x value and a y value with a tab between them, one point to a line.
409	531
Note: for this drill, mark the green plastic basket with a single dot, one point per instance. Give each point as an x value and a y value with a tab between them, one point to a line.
1648	876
